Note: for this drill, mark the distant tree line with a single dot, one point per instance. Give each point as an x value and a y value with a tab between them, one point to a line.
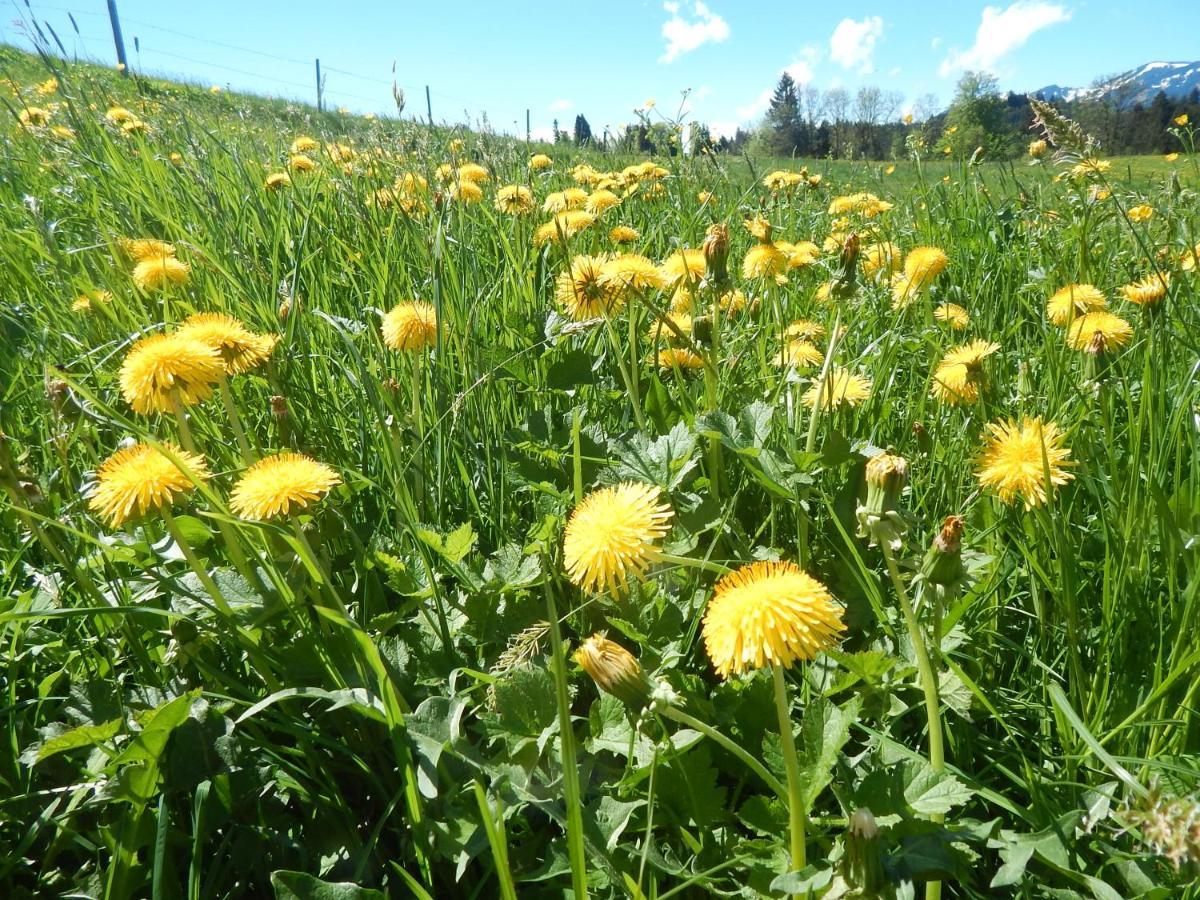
804	121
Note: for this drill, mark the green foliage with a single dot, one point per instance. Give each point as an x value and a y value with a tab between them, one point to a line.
360	700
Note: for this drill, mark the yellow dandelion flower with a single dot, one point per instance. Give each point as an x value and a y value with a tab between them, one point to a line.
156	272
139	249
305	144
953	315
1189	260
1171	157
1181	119
277	180
298	162
599	201
684	266
140	478
1037	149
662	330
800	254
880	259
160	365
954	383
473	172
410	325
613	535
1019	458
119	115
467	192
764	261
49	86
84	301
1073	300
680	358
566	224
515	200
623	234
281	484
1090	167
631	271
769	614
62	132
923	264
34	117
1098	331
580	292
1140	213
799	354
240	349
840	387
540	161
970	354
804	329
759	227
560	201
1148	291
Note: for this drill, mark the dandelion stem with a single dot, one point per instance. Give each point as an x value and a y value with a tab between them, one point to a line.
570	769
797	815
615	345
185	431
708	731
703	564
189	554
235	420
929	684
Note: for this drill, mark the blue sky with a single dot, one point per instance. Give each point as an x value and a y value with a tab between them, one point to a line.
603	59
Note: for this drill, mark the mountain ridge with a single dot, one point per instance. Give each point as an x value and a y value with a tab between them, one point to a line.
1138	85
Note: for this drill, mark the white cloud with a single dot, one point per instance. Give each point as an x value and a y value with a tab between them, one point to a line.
935	43
800	71
853	43
723	129
542	133
701	92
683	36
757	107
894	72
561	105
1001	31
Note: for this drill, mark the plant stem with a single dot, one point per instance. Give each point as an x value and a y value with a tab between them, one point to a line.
703	564
190	555
797	815
570	768
741	753
619	357
235	420
929	684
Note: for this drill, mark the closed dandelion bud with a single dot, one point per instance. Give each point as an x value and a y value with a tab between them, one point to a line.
716	255
879	518
886	476
615	670
924	438
279	406
862	866
702	328
56	393
842	286
285	307
1024	381
943	563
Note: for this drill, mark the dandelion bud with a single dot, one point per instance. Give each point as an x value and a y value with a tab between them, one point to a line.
279	406
886	476
842	286
285	307
716	256
615	670
1024	380
862	866
924	439
56	393
702	329
943	564
879	519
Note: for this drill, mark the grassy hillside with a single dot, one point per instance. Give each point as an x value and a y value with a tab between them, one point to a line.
580	525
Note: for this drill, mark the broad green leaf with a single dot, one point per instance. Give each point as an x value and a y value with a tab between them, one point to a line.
82	736
824	731
932	793
300	886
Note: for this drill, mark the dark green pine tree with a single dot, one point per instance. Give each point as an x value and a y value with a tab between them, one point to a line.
782	124
583	131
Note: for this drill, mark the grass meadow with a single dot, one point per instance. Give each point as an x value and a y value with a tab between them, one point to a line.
717	530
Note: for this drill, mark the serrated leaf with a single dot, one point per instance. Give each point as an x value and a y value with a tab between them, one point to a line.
300	886
928	792
612	818
824	731
665	461
525	701
83	736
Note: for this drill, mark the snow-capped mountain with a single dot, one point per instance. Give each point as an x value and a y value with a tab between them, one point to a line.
1140	85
